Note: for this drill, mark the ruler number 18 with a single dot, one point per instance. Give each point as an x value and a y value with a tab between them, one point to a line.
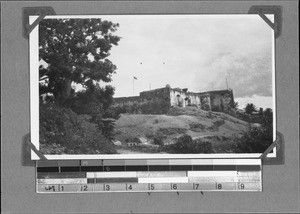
242	186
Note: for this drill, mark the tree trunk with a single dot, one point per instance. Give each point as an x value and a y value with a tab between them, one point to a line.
62	95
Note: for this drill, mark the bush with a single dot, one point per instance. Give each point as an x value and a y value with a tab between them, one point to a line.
158	139
216	125
197	127
185	144
255	140
171	131
52	149
74	134
203	146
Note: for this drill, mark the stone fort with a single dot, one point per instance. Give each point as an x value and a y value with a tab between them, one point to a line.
219	100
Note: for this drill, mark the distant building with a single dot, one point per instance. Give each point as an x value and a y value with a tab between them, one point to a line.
221	100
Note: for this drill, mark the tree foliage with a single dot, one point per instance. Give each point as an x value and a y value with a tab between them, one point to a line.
257	139
235	105
63	131
250	108
76	51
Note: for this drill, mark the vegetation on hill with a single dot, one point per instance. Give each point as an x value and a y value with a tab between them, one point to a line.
75	51
256	139
62	131
186	145
192	130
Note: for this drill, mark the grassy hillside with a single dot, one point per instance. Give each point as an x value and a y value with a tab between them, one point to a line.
135	133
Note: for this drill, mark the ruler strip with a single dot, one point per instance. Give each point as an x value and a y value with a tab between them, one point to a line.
149	175
149	187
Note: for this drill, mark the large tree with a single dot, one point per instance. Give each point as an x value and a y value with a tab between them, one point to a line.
75	51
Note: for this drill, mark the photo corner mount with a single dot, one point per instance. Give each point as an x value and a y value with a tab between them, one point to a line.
27	148
276	10
278	145
34	11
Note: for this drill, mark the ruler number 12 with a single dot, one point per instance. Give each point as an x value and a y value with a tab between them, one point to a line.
84	188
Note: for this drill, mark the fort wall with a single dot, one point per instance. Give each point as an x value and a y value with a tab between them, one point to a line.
167	97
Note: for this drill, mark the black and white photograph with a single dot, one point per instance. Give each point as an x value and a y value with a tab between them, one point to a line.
153	85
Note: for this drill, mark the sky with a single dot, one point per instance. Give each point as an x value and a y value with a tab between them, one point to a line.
198	52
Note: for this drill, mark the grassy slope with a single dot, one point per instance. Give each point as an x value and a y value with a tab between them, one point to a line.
218	128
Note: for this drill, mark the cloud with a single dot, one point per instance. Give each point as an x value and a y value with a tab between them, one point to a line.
247	75
195	52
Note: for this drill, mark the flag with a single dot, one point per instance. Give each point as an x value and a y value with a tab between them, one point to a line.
134	78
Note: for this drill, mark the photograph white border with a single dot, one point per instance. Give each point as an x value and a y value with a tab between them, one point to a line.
34	101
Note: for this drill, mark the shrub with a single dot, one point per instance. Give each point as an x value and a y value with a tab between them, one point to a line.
216	125
185	144
255	140
74	133
203	146
52	149
116	111
171	131
197	127
158	139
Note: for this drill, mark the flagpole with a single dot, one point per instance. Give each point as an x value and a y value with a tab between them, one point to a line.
133	85
226	84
